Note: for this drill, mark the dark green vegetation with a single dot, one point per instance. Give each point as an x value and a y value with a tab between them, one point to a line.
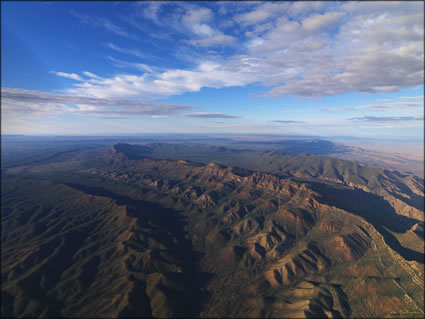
169	230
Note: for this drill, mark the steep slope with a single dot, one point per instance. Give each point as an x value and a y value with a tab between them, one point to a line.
404	192
68	253
273	232
206	240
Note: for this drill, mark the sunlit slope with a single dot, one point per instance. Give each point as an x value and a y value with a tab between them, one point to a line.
271	162
404	192
273	232
178	238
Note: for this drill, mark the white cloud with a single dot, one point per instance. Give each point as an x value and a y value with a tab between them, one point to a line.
134	52
71	76
124	64
329	109
91	75
161	84
322	22
387	118
362	52
265	11
360	7
218	39
150	12
395	104
190	20
20	103
259	15
197	20
210	115
406	107
299	49
287	122
412	97
306	7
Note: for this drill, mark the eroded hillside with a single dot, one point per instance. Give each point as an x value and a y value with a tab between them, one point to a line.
122	234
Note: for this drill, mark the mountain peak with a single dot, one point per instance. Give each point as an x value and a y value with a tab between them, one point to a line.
215	165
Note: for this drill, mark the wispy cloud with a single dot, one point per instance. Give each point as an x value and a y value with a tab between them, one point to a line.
287	121
214	40
387	118
209	115
124	64
329	109
411	97
390	105
71	76
133	52
20	101
191	20
104	23
91	75
150	11
393	105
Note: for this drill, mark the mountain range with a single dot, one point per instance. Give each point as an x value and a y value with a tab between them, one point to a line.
176	230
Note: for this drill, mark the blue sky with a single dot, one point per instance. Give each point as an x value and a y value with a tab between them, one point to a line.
313	68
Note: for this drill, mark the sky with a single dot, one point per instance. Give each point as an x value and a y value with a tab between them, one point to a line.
289	68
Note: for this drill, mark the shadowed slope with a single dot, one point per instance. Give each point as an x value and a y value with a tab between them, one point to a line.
375	210
146	237
94	253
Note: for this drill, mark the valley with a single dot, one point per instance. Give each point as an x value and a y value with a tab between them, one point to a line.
166	230
212	159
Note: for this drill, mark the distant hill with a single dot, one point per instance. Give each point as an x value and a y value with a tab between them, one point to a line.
380	181
312	146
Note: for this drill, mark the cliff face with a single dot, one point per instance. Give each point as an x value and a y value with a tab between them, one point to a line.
137	236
